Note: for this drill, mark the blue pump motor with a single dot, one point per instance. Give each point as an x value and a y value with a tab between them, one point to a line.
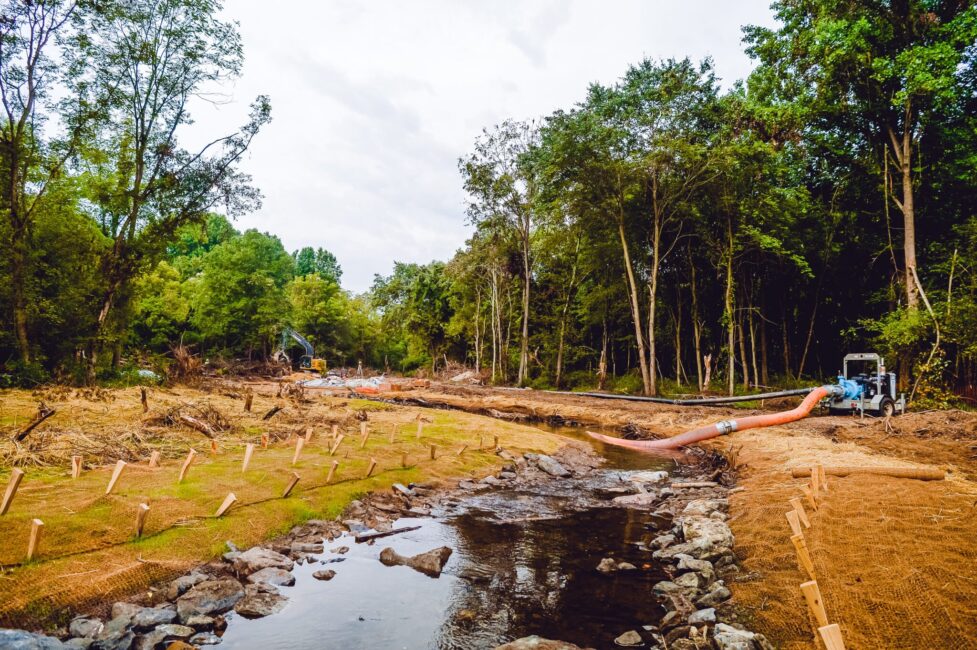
853	390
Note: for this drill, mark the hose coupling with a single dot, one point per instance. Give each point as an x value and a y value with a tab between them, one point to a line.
726	427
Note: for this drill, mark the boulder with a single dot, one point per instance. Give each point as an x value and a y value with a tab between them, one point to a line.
306	547
654	478
537	643
728	637
629	639
258	558
273	576
702	616
706	534
200	622
210	597
21	640
183	584
340	550
204	638
717	594
149	617
260	600
607	565
85	626
663	540
324	574
125	609
429	563
549	465
79	643
690	581
176	631
116	634
640	500
704	507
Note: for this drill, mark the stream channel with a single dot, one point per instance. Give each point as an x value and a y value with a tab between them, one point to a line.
523	563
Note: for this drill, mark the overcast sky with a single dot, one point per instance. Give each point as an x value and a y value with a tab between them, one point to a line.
374	102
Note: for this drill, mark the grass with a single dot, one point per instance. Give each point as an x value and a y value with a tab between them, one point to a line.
88	551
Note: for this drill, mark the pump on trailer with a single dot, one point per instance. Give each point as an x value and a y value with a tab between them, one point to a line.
872	392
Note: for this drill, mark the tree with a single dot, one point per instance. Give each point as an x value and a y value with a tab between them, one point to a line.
318	261
146	60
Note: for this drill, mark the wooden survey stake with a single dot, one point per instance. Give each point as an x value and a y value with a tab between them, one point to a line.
813	597
75	466
16	475
373	466
403	459
823	480
831	635
335	447
815	480
298	450
335	431
291	484
144	398
801	547
228	502
496	442
809	493
35	539
141	513
332	471
248	398
248	451
795	523
462	450
264	441
798	507
186	465
393	431
420	428
434	452
116	473
154	459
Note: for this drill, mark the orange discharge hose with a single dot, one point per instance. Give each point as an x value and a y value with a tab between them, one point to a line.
726	426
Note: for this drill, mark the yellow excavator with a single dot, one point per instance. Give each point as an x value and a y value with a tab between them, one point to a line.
308	361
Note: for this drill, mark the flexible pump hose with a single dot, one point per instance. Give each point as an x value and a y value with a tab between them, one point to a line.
728	426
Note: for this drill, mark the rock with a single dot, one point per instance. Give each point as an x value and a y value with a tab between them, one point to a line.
201	622
85	626
230	556
116	634
671	619
429	563
626	566
465	616
260	600
400	488
663	540
210	597
640	500
607	565
176	631
258	558
670	552
79	643
125	609
683	644
629	639
728	637
507	476
655	478
717	595
665	587
273	576
340	550
204	638
490	480
21	640
706	534
324	574
702	567
617	491
183	584
179	645
691	580
707	615
548	464
148	617
537	643
704	507
301	547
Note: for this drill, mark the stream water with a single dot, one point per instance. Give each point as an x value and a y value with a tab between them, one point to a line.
523	563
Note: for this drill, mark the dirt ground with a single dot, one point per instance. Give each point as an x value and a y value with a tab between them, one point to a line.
894	558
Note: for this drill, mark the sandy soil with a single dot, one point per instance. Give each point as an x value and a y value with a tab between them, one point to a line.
894	558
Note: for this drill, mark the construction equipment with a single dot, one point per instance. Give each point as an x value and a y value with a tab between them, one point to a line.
871	393
307	362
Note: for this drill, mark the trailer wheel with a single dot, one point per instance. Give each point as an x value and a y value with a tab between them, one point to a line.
887	408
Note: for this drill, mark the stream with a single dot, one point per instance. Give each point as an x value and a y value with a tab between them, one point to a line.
523	563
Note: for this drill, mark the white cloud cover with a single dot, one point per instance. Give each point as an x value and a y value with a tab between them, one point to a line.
374	102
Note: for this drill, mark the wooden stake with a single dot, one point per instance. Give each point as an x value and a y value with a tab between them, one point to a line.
35	539
141	513
228	502
264	441
213	447
373	466
335	431
248	398
420	428
154	459
403	459
335	447
332	471
393	430
364	434
75	466
831	635
481	442
298	449
813	597
462	450
116	473
308	434
434	452
809	493
795	522
799	509
815	480
801	547
823	480
144	399
186	465
291	484
496	438
16	475
248	451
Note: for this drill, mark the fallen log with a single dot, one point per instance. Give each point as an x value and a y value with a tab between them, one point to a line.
269	414
43	413
366	537
199	425
918	473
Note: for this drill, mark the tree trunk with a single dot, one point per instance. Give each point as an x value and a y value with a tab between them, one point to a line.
602	366
635	308
730	320
696	333
764	369
903	149
18	276
678	338
743	361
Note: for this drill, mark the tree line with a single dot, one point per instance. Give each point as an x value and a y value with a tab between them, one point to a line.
661	234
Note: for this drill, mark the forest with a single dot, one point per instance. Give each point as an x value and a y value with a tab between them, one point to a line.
665	233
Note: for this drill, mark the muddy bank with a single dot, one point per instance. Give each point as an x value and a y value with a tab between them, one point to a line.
566	546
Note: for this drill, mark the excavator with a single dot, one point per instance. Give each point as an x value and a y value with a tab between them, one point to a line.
308	361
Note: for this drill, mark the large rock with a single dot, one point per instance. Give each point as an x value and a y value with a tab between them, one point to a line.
704	507
273	576
258	558
717	594
706	534
85	626
629	639
655	478
727	637
21	640
610	565
324	574
116	635
429	563
149	617
537	643
183	584
260	600
549	465
210	597
640	500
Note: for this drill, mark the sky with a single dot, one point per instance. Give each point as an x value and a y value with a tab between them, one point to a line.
374	102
